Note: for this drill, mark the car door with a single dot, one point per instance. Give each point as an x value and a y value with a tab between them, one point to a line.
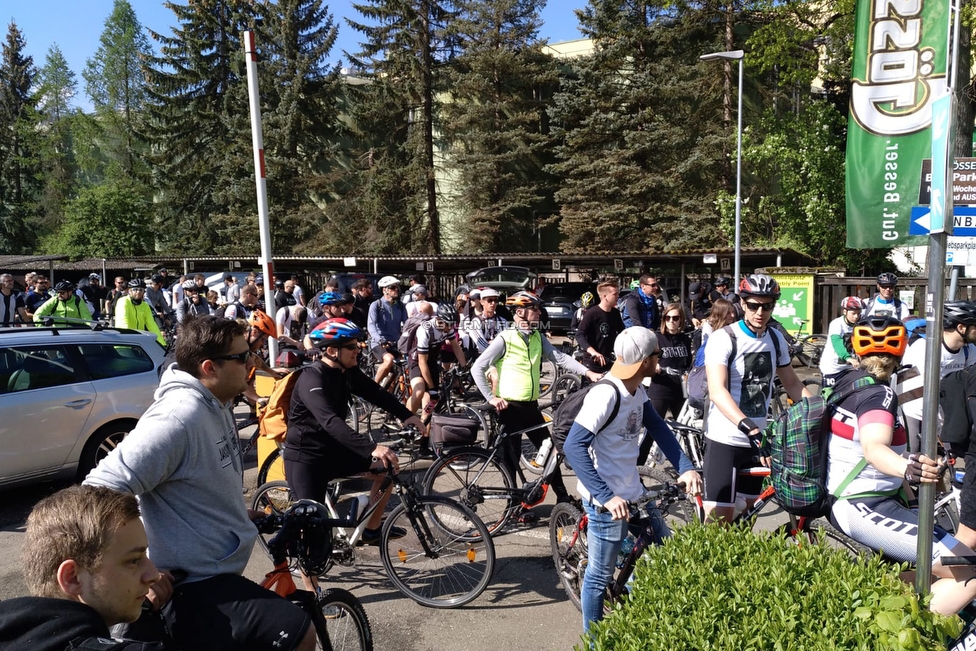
45	402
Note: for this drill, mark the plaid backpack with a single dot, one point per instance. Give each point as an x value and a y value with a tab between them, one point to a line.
798	451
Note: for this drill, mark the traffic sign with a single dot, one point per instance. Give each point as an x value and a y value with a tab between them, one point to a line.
963	218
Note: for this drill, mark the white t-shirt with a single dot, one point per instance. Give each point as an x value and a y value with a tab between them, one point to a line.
909	381
830	361
750	378
614	450
896	308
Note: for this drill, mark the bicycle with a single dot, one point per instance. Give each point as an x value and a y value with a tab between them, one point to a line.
567	537
808	348
446	560
692	442
339	618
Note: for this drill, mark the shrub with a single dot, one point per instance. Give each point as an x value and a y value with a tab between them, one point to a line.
729	589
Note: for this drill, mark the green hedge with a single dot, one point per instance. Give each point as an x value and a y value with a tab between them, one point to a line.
729	589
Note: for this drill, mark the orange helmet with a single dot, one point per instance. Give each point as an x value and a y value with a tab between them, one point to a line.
523	299
262	322
876	335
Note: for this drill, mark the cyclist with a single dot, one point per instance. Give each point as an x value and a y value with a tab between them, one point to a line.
183	463
700	304
86	567
63	306
37	295
133	312
666	392
582	305
600	326
722	290
866	466
243	306
517	354
11	302
423	353
885	302
194	302
641	304
483	328
157	299
319	445
739	390
604	452
836	358
384	323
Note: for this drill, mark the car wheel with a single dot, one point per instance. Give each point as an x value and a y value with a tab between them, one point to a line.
103	441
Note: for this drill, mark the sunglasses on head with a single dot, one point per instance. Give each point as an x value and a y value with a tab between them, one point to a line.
755	307
239	357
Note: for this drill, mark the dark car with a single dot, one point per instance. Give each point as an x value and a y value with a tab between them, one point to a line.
558	300
347	280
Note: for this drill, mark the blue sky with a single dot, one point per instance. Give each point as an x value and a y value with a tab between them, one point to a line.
76	25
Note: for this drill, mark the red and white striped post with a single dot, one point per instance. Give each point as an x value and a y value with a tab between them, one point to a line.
260	181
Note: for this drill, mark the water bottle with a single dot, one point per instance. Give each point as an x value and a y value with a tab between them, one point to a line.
626	547
543	454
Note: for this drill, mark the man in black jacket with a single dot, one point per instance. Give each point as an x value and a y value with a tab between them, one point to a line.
85	564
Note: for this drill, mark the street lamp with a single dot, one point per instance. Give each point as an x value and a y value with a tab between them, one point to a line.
735	55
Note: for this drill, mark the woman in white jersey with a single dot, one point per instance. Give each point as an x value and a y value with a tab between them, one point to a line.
867	466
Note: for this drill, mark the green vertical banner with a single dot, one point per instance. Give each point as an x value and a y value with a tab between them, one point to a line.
795	304
899	69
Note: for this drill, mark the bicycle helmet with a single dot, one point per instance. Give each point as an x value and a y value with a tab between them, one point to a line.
158	279
263	323
94	276
334	333
137	283
523	299
388	281
759	285
189	286
887	278
447	312
64	286
851	303
959	313
330	298
586	300
310	541
722	281
879	335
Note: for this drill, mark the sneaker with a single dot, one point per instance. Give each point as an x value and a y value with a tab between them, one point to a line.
372	537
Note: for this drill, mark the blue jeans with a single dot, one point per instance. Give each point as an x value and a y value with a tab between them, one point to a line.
604	536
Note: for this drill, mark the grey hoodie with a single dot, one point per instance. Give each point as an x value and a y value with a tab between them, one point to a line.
183	463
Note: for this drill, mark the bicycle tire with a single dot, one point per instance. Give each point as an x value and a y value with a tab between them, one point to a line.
832	538
564	385
680	512
460	476
813	347
548	373
529	451
569	549
460	564
272	462
274	497
345	620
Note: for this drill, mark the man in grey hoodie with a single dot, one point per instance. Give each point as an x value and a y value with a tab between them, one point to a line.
184	464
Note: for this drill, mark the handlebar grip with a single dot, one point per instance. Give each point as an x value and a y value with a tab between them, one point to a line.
957	560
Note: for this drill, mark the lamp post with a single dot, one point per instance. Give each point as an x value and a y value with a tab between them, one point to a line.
735	55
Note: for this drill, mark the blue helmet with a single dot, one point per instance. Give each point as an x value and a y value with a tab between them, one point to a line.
334	333
331	298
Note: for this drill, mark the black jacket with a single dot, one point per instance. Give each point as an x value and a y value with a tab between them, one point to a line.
44	624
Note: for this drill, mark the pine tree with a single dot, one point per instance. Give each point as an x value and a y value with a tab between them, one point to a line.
496	123
405	47
19	183
115	83
57	88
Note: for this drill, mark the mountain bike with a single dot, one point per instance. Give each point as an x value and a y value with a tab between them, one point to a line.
446	559
808	348
692	442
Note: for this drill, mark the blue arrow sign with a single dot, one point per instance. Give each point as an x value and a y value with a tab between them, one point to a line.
963	218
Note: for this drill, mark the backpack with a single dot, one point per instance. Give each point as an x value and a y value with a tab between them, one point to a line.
273	419
698	381
408	336
798	451
562	420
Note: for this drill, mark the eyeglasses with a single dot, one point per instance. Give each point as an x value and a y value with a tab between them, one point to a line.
239	357
673	317
755	307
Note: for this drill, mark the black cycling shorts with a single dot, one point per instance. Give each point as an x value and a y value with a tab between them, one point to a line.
435	374
722	483
231	612
967	501
308	481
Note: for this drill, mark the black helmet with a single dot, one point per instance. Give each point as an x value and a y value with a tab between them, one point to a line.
722	280
158	279
887	278
759	285
312	543
959	313
447	312
137	283
64	286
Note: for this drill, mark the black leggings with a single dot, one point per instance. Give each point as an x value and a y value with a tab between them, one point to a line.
519	416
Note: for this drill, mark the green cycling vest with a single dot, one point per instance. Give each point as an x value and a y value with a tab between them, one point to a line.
520	366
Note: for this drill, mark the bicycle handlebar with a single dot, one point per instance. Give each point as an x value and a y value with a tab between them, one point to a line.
668	492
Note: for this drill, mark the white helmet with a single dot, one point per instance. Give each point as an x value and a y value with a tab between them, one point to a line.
388	281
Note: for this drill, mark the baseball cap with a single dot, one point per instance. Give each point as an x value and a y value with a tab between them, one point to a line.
694	288
632	347
348	298
474	293
420	289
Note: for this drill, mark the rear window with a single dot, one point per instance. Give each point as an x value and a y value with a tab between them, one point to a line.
105	361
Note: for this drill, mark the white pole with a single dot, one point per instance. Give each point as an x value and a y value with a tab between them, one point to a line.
257	139
738	191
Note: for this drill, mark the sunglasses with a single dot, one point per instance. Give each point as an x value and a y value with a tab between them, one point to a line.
652	285
350	347
886	286
673	317
239	357
489	300
755	307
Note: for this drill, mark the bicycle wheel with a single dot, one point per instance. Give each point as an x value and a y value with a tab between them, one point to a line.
831	538
564	385
446	558
547	377
679	512
474	478
345	621
273	465
529	451
272	498
569	551
813	346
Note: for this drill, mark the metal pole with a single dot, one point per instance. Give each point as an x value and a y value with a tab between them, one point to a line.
953	283
738	188
261	183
